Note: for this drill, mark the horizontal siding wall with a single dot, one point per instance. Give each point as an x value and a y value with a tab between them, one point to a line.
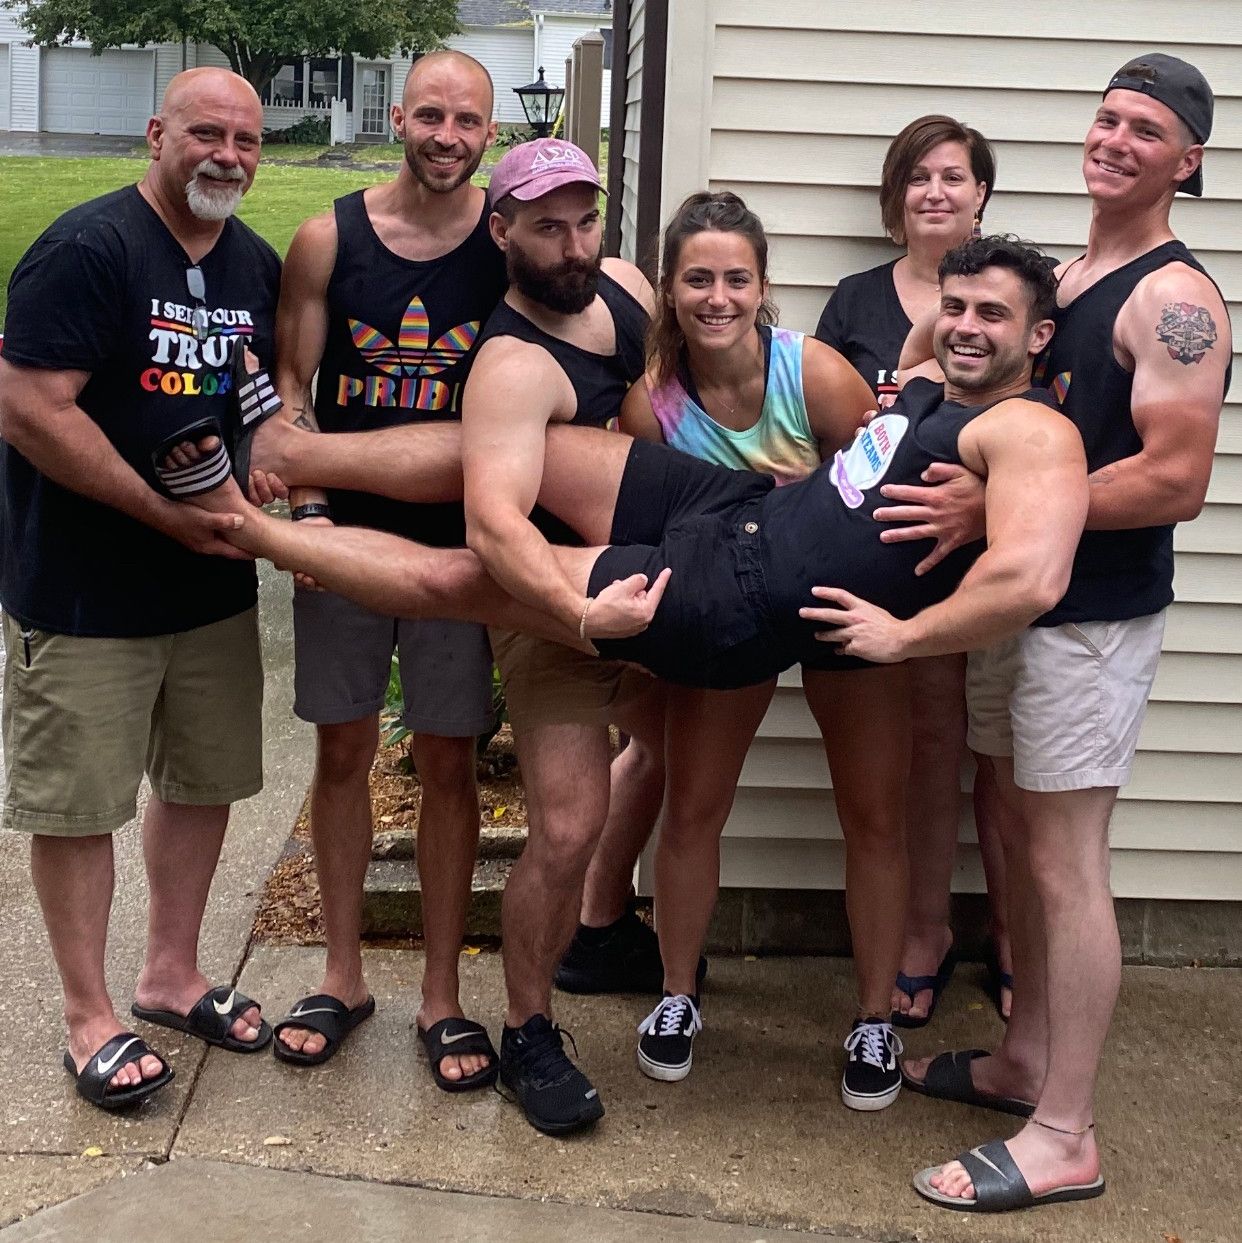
630	138
800	103
556	46
508	53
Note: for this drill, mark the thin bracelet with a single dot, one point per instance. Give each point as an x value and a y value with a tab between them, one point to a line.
586	608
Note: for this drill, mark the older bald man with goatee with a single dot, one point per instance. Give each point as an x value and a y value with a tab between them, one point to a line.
129	623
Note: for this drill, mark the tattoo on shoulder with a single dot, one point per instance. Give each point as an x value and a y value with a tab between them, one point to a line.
1187	331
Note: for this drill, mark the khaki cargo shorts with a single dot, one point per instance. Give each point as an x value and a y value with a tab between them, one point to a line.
1067	702
547	683
83	718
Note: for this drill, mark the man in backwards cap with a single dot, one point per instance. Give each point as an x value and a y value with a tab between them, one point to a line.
1140	362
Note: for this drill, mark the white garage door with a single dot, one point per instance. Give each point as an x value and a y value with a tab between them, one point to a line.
84	94
4	86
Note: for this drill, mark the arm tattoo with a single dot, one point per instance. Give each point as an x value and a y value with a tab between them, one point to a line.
1187	330
304	419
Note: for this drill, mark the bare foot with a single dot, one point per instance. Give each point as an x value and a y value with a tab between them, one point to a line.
1046	1159
88	1036
922	954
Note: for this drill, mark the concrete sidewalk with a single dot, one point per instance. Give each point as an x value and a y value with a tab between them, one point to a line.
754	1145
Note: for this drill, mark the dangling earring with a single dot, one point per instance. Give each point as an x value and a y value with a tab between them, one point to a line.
976	230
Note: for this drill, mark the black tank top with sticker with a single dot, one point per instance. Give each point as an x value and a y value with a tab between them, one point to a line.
821	532
402	334
1117	574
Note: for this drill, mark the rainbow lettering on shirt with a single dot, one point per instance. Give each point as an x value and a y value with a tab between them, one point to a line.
184	366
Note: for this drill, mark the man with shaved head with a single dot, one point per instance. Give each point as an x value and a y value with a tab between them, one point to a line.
384	296
129	623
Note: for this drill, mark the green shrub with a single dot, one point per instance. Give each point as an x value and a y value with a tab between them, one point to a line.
307	130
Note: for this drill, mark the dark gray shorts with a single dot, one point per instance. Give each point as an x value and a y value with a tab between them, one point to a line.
343	659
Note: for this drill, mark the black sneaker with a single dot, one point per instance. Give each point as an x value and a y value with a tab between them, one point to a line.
872	1077
623	957
554	1094
668	1033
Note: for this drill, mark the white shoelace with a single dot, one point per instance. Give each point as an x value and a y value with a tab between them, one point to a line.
878	1041
668	1017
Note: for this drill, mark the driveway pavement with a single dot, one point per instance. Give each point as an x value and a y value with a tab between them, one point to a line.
66	145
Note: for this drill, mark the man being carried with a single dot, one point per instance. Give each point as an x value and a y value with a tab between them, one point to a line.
1140	361
384	296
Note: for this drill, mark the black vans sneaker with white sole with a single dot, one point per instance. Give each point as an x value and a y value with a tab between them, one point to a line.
554	1094
667	1038
872	1077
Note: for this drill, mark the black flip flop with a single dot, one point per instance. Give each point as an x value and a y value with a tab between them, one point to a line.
122	1050
912	985
211	1018
998	1183
327	1015
948	1079
255	400
453	1037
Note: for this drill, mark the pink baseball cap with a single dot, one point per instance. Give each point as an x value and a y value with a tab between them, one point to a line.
533	169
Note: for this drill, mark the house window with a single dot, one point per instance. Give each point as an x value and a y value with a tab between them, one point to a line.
325	81
607	34
310	83
285	89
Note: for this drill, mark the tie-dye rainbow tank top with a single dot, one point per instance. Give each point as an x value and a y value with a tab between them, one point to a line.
781	443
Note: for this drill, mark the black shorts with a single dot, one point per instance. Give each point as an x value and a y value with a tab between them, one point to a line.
714	627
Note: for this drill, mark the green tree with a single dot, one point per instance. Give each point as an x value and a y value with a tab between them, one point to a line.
257	36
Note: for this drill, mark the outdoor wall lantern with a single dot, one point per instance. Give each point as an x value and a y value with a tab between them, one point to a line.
541	103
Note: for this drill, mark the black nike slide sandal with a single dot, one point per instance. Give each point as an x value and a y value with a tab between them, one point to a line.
327	1015
211	1018
122	1050
948	1079
998	1184
455	1037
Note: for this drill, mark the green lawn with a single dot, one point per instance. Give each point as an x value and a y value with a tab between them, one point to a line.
38	189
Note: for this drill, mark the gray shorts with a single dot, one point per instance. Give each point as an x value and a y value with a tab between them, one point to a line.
1067	702
343	660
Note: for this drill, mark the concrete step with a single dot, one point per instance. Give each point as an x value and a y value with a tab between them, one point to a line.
392	900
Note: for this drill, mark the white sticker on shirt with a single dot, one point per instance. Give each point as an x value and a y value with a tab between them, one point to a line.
867	460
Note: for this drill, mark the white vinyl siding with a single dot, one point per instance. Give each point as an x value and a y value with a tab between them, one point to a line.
554	45
113	93
793	108
4	86
507	51
627	148
20	107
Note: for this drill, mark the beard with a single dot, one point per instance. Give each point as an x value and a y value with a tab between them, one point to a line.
219	202
568	288
417	159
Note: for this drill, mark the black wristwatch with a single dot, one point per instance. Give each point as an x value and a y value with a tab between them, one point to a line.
315	509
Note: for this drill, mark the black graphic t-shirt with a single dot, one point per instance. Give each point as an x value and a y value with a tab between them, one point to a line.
864	321
402	334
104	291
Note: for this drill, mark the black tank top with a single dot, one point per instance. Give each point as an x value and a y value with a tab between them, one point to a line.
401	336
600	381
820	531
1117	574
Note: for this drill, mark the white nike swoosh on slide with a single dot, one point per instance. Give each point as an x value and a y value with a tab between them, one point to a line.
225	1006
454	1039
104	1067
297	1014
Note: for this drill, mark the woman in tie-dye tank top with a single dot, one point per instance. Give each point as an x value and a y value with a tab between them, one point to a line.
725	384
